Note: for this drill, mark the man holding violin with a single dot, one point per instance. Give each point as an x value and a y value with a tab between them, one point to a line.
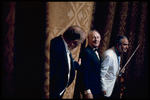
110	67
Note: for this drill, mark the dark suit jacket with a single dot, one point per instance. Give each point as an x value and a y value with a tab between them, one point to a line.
59	67
89	73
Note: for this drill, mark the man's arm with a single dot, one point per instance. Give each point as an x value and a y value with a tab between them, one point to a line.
85	64
104	68
54	59
77	64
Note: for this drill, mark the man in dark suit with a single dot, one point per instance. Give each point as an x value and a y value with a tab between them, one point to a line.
62	65
89	74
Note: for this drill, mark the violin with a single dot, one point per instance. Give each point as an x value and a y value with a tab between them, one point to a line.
121	79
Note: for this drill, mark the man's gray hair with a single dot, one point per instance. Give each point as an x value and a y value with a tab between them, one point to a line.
118	39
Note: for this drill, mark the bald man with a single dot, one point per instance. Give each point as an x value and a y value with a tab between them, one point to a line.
62	65
89	72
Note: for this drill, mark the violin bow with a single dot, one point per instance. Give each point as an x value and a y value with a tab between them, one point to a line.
120	73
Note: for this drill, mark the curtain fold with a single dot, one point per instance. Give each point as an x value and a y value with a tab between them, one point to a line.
108	27
8	30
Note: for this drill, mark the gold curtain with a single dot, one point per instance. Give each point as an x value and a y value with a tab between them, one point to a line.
61	15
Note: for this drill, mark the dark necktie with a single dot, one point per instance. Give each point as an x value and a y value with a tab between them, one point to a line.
95	49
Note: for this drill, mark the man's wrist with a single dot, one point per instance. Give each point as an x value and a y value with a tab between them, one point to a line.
87	91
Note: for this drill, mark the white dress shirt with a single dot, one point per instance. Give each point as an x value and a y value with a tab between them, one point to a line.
97	54
69	64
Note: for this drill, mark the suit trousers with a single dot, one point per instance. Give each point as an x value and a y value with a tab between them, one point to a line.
116	91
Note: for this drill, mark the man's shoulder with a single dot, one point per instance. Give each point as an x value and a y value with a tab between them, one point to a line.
87	49
57	43
109	52
56	38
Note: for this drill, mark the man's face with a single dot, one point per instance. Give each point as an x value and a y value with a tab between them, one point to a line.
94	39
124	45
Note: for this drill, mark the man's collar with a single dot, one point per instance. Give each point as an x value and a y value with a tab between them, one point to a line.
66	45
95	49
117	52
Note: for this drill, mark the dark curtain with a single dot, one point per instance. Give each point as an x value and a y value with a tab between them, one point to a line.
8	20
23	45
130	19
29	45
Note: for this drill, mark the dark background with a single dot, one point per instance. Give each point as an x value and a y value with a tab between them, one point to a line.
29	46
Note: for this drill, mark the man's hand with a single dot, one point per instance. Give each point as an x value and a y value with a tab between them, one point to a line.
88	96
79	61
123	71
104	92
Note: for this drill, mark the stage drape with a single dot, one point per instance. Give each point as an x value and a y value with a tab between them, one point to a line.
61	15
130	19
110	19
8	27
23	43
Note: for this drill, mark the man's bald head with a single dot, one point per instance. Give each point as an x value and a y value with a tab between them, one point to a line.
74	36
